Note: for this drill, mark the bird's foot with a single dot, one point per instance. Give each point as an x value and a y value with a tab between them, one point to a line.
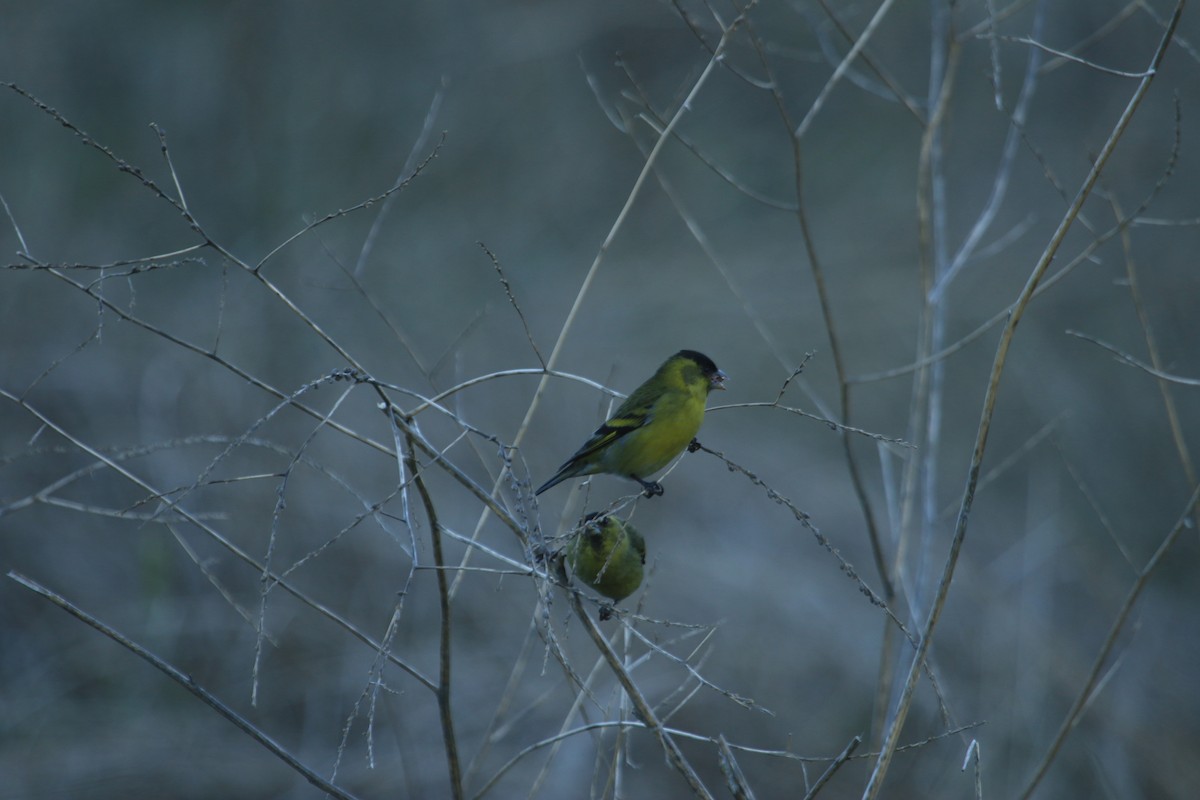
694	445
606	612
652	488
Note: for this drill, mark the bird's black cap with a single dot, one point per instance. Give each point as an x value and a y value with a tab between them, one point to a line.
706	364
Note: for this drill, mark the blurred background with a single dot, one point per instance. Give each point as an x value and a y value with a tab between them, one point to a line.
126	385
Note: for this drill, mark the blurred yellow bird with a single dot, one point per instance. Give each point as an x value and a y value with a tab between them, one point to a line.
651	427
608	555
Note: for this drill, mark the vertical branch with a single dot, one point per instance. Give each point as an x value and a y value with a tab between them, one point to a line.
443	683
930	225
891	739
945	269
930	218
810	250
839	366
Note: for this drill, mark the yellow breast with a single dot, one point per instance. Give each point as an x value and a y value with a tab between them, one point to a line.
673	424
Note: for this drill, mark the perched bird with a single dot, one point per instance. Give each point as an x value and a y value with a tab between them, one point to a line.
608	555
651	427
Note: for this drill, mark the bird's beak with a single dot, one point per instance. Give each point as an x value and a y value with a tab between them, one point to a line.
717	381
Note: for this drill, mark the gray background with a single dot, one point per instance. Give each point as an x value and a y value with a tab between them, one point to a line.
279	113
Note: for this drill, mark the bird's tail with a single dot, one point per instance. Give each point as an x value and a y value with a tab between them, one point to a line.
567	470
557	479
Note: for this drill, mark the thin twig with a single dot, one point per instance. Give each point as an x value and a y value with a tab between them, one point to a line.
892	84
1002	175
1097	35
714	258
187	682
972	757
833	425
1135	294
1090	685
859	44
735	780
1076	59
166	154
1125	358
988	24
220	539
513	301
593	270
1084	255
267	579
674	755
837	763
818	274
398	186
410	165
622	215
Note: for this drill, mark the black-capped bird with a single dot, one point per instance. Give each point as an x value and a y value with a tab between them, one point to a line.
608	555
651	427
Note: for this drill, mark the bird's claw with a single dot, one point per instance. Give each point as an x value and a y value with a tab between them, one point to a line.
653	488
694	445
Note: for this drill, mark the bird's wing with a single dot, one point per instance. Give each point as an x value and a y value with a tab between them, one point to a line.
636	412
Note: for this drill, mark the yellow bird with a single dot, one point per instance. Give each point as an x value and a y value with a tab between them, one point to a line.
651	427
608	555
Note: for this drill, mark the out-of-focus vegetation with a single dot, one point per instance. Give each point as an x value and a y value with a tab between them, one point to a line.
184	456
